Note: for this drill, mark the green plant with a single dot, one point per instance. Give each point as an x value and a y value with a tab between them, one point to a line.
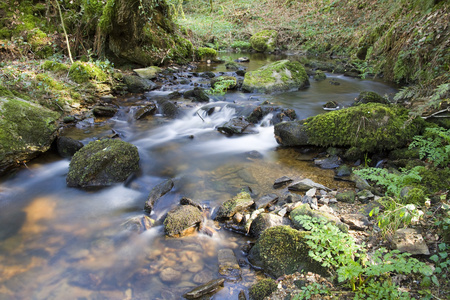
352	264
312	289
434	145
393	182
221	87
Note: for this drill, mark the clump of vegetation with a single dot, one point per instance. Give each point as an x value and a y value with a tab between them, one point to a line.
82	72
241	45
262	289
204	53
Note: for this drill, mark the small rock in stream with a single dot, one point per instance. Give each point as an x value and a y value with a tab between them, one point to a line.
205	289
280	182
305	185
156	193
228	265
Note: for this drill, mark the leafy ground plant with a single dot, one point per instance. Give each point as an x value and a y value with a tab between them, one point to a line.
434	145
368	274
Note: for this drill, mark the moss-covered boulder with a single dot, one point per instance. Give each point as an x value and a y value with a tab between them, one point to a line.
242	201
262	288
82	72
205	53
264	41
131	37
26	130
283	75
283	250
370	97
182	220
368	127
102	163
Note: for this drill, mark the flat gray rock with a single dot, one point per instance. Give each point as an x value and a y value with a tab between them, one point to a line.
305	185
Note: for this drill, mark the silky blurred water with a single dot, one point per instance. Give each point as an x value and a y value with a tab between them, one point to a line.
65	243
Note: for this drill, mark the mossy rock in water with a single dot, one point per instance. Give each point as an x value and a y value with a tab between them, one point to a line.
242	201
205	53
82	72
26	130
264	41
182	220
283	75
102	163
262	288
368	127
283	250
370	97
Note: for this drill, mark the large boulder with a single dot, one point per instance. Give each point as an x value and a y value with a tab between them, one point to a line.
26	130
130	37
102	163
368	127
283	75
264	41
283	250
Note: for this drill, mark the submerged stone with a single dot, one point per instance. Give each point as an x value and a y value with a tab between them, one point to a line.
182	220
102	163
67	146
205	289
157	192
228	265
283	75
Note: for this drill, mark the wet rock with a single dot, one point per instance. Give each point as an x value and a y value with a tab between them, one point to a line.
187	201
346	197
228	265
138	224
170	275
205	289
157	192
282	75
343	171
231	65
208	74
197	95
263	288
240	72
364	196
282	181
239	203
306	184
104	111
305	210
182	220
145	111
283	250
356	221
311	201
67	146
102	163
203	277
148	73
236	126
411	241
167	108
331	105
331	162
285	115
137	84
243	59
369	97
266	201
242	296
319	75
291	134
264	221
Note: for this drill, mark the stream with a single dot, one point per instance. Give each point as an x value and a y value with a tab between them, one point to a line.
66	243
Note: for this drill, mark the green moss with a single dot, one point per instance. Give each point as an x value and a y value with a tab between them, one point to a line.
369	127
182	51
238	203
262	289
204	53
282	250
81	72
370	97
241	45
5	33
102	163
229	81
105	22
282	75
24	127
180	219
320	75
264	41
435	180
55	66
49	81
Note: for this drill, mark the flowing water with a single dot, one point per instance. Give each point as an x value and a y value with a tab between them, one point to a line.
65	243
